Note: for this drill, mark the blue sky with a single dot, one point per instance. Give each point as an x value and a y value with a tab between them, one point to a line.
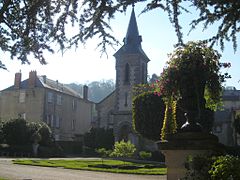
84	64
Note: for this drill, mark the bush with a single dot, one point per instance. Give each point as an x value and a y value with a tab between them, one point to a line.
99	138
1	132
198	167
145	155
103	152
123	149
15	132
46	134
216	168
148	115
225	167
21	132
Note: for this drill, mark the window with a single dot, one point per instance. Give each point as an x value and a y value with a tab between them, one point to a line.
56	137
127	73
74	104
57	122
50	97
50	121
59	100
22	96
73	124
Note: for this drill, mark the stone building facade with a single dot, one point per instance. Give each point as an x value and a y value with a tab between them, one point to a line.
41	99
115	111
224	123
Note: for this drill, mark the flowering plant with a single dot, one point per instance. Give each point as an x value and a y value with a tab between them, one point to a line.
196	67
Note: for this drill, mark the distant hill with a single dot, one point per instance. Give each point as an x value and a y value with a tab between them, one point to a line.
97	91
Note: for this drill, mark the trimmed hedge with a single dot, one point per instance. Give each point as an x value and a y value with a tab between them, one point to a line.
148	115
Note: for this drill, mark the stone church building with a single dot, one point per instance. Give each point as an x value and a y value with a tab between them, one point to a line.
115	111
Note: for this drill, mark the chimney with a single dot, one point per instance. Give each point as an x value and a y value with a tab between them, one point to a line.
85	92
44	78
32	79
17	80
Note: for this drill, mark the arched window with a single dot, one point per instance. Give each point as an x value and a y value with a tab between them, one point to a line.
127	73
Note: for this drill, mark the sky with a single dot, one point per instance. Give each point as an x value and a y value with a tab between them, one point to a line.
86	64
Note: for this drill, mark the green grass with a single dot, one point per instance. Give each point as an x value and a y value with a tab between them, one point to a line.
2	178
113	166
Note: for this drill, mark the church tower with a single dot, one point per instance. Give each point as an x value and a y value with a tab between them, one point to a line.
131	69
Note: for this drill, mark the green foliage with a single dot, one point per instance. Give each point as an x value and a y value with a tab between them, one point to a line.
198	168
194	66
103	152
114	166
99	138
15	132
225	167
215	168
145	155
1	132
46	134
170	122
123	149
148	114
29	28
20	132
98	90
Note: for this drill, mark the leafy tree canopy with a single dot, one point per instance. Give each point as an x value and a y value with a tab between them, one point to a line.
30	27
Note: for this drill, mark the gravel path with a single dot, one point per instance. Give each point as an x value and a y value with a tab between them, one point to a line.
22	172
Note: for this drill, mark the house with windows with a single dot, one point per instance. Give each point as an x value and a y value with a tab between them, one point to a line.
225	119
41	99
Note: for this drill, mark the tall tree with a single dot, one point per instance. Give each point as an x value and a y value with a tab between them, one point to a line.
29	27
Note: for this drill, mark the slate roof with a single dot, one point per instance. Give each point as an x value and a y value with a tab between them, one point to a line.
43	82
132	40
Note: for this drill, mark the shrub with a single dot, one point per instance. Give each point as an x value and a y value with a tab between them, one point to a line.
123	149
215	168
225	167
103	152
145	155
46	134
99	138
198	167
21	132
15	132
1	132
148	115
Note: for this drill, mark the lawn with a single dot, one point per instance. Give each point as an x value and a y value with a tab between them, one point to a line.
113	166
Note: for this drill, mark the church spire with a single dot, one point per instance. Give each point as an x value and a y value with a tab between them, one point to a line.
132	37
132	40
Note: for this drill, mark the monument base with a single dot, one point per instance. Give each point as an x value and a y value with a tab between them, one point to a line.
180	146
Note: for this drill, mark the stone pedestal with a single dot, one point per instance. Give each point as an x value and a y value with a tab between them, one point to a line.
181	145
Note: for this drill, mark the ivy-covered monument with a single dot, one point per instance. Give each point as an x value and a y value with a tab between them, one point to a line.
115	111
190	87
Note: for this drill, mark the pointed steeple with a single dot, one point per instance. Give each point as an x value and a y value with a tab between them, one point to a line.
132	40
132	37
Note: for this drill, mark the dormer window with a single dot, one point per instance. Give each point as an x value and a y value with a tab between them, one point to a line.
127	74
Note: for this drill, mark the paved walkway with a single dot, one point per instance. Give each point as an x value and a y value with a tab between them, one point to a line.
22	172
